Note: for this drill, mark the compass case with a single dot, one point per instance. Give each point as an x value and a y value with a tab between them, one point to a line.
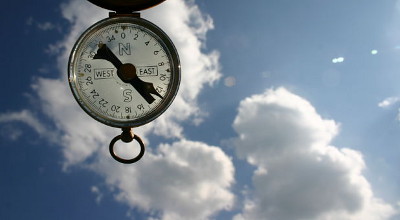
126	5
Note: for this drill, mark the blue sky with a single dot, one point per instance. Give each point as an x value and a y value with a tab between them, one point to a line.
286	110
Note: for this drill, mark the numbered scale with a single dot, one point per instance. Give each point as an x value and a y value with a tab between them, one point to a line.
124	71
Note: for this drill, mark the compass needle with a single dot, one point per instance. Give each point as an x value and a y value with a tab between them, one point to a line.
127	73
106	54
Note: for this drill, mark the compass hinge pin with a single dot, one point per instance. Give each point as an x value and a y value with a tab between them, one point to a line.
124	14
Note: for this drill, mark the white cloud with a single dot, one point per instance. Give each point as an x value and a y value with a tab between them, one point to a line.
182	180
80	136
299	175
338	60
186	180
289	114
44	26
96	191
388	102
27	117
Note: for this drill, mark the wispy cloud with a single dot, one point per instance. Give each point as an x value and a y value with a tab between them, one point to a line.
388	102
99	195
44	26
27	117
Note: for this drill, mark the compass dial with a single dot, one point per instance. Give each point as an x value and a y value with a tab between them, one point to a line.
124	71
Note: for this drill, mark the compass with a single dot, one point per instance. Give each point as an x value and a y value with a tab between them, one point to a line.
124	71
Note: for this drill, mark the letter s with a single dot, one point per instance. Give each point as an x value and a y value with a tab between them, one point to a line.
127	93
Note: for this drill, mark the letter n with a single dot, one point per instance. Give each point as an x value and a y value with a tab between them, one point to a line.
124	49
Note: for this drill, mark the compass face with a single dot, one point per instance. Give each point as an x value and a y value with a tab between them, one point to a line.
124	71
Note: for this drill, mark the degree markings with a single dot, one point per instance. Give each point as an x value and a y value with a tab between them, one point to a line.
142	37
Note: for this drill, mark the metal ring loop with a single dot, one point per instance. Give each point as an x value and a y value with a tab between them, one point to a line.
127	161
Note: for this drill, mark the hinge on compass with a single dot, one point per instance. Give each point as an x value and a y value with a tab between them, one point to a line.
124	14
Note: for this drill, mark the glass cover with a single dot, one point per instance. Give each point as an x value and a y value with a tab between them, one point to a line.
124	72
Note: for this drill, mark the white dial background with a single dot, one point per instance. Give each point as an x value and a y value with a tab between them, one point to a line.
97	86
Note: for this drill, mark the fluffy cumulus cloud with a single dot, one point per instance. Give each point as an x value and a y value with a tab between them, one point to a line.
186	180
180	180
299	174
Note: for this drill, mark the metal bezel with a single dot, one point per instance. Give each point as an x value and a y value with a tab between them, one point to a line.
166	43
